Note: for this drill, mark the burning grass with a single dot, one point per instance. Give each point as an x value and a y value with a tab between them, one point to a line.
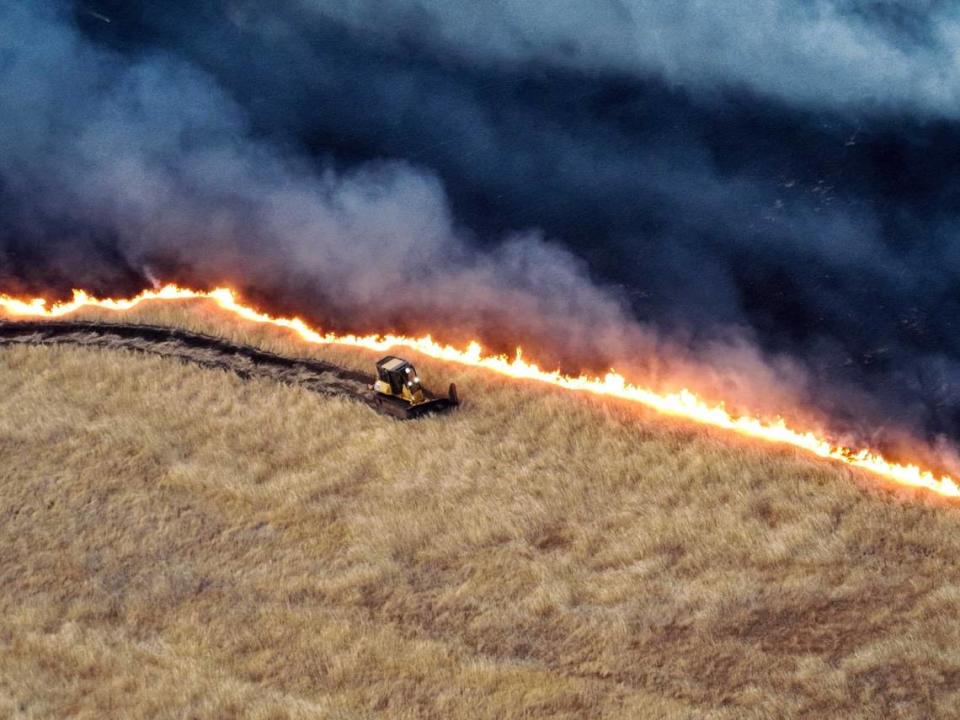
177	541
680	403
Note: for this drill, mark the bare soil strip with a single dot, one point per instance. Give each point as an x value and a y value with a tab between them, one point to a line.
204	350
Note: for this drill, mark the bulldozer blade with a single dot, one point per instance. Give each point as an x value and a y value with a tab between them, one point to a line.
430	406
403	410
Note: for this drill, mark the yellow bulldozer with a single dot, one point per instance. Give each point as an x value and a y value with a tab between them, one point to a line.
397	391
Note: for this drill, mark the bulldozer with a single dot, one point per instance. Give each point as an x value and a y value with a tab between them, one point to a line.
398	391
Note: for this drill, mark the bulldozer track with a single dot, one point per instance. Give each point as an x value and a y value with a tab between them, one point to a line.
203	350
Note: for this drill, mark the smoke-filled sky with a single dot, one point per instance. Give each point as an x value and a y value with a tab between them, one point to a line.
758	194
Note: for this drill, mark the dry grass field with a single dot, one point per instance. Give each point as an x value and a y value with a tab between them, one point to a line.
177	542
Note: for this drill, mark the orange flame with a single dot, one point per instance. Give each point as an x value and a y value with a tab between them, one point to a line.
683	404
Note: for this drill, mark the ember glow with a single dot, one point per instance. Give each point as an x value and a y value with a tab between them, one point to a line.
683	404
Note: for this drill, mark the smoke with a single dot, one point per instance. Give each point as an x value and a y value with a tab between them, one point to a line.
768	233
152	158
814	52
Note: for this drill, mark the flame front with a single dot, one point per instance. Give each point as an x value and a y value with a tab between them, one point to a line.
683	404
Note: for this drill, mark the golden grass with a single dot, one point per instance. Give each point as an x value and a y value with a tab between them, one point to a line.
176	542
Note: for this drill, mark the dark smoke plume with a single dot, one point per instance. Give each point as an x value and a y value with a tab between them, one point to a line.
755	188
148	161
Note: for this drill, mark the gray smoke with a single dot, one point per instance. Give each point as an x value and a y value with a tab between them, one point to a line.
814	52
381	166
153	155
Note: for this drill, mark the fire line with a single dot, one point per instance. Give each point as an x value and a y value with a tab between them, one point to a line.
682	404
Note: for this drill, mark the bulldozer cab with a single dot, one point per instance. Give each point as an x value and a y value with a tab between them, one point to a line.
397	391
398	374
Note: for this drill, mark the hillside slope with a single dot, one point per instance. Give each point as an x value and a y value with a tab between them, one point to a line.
178	541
